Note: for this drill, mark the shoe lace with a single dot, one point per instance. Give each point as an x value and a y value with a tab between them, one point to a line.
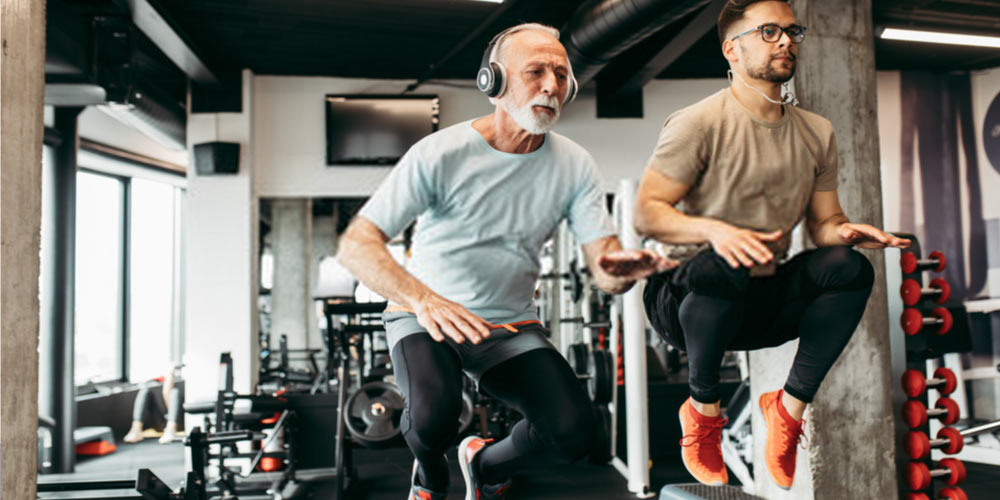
711	432
796	436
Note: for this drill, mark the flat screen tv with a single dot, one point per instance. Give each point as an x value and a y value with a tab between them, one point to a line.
376	129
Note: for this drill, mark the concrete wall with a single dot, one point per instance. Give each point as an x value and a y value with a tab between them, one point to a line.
22	62
291	243
221	259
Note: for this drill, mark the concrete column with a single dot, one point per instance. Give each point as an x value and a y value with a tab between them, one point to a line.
324	244
290	297
221	268
850	425
22	71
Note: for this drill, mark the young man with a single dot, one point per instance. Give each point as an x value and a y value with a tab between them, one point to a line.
486	194
748	168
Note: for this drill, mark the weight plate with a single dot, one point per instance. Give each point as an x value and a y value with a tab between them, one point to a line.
601	380
373	413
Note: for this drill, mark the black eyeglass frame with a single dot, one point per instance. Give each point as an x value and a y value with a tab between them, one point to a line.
795	38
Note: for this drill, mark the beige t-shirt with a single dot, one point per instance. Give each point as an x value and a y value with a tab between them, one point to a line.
743	170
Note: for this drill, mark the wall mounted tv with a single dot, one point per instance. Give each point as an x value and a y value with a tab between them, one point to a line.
365	129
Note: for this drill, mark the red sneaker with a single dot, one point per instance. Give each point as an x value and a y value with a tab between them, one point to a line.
474	489
782	439
701	446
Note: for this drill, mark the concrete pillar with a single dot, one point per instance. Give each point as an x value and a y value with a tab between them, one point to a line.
850	425
221	268
291	220
324	244
22	71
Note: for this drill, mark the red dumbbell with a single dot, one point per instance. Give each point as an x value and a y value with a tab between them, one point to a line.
912	293
918	445
914	383
917	496
915	414
910	264
953	493
912	321
919	477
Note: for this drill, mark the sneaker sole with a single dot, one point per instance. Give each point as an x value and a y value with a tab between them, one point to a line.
714	483
767	426
469	488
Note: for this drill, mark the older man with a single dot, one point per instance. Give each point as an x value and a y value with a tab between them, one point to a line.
486	194
747	167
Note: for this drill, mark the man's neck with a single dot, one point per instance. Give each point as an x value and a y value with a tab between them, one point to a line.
504	134
756	103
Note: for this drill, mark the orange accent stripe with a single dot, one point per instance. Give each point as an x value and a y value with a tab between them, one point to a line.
512	327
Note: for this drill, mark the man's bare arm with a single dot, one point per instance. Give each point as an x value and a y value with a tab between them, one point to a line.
362	250
657	217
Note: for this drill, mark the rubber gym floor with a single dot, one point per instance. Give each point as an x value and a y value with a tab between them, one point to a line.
384	475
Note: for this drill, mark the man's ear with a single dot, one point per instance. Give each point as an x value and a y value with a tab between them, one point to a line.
730	52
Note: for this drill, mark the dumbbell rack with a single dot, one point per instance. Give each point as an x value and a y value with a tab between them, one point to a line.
913	342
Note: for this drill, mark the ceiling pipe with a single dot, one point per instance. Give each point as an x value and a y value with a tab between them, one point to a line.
599	30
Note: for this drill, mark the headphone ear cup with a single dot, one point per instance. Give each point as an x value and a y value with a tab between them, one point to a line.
485	79
499	84
571	91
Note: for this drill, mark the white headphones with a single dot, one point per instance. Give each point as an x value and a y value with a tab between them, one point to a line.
492	76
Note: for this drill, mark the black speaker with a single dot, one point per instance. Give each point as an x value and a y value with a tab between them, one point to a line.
212	158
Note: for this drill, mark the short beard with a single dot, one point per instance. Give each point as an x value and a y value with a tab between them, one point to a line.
525	116
767	72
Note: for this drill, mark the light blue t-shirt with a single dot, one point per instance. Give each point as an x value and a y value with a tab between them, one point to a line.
483	215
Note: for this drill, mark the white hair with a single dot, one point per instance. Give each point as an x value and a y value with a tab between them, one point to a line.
504	36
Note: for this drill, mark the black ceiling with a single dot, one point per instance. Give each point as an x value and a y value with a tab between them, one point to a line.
408	38
403	38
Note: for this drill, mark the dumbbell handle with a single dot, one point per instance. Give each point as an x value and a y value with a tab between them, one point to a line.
937	442
981	429
940	472
934	412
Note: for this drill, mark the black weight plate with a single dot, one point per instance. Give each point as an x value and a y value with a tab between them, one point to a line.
601	380
601	453
991	133
577	357
373	413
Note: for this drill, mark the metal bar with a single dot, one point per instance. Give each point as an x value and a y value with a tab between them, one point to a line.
634	341
118	484
125	291
981	429
151	21
59	290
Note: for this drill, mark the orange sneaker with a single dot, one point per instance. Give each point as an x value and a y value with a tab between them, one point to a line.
701	446
783	434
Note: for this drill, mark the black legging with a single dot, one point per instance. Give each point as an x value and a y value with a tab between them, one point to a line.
558	424
707	308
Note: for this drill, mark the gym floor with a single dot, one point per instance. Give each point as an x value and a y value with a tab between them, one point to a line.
385	475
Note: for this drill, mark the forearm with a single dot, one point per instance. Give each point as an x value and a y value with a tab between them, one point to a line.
824	233
372	264
664	223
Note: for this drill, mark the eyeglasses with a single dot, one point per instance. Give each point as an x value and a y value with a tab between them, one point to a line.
771	32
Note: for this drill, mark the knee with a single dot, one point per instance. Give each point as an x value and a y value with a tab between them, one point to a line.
842	268
709	274
434	426
573	434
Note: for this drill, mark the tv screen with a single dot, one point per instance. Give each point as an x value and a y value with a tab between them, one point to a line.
376	129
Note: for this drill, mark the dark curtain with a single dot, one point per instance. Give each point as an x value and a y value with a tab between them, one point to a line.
937	117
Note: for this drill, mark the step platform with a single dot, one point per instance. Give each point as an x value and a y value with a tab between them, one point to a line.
698	491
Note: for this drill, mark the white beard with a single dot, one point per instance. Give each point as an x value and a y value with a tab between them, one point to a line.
526	117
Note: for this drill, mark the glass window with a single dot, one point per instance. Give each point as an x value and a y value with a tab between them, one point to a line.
98	278
151	279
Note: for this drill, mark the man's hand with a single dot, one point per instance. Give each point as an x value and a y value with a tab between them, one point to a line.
634	264
870	237
742	246
443	317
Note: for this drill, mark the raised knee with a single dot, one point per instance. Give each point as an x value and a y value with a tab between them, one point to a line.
843	267
710	274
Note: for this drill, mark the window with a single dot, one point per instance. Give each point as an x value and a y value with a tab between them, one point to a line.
98	282
151	278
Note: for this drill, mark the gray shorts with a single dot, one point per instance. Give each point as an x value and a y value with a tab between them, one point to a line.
476	359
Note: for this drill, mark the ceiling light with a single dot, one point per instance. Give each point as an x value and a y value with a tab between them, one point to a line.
939	37
490	1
